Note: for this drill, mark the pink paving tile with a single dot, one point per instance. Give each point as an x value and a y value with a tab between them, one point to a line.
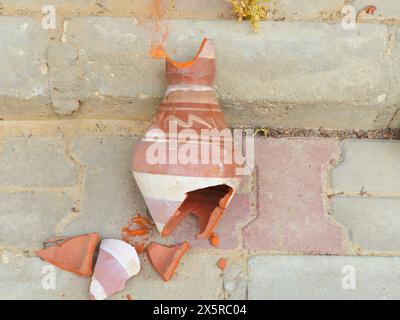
290	191
237	214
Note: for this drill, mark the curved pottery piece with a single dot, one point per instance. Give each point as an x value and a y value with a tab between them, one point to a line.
164	259
185	164
117	263
72	254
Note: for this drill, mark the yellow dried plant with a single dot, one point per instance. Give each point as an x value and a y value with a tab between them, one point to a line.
253	10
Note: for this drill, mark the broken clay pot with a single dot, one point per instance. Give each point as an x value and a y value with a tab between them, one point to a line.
164	259
72	254
182	164
117	263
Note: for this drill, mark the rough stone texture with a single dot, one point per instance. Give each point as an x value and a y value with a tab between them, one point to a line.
39	162
290	74
302	277
367	193
66	77
22	50
328	81
110	194
368	166
235	279
229	229
140	9
112	61
290	197
73	177
29	218
22	280
200	9
306	10
395	122
197	278
373	223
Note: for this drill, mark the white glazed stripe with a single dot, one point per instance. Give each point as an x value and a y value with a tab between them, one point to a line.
160	226
187	87
190	109
173	188
120	251
97	290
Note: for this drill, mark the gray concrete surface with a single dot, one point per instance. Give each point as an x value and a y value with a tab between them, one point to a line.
367	166
313	277
373	223
290	74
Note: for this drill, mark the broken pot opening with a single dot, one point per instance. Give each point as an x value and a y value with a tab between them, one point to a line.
206	204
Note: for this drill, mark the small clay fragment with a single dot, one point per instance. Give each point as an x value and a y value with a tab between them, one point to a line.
117	262
164	259
139	248
71	254
366	10
222	263
214	239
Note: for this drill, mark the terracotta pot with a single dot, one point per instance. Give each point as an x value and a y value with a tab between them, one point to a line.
174	178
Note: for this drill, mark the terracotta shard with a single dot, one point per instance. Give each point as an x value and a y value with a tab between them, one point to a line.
222	264
117	262
214	239
164	259
71	254
178	178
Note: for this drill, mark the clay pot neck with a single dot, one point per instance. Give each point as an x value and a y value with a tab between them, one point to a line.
199	71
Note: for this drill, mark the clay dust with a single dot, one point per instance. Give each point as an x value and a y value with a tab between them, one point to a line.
138	232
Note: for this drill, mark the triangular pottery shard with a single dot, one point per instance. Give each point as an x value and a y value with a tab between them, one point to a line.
117	263
164	259
187	161
72	254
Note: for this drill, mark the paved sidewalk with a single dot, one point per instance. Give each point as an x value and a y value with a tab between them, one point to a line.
308	198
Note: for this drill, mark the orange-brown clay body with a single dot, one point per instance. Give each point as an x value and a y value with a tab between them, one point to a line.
222	263
73	254
214	239
164	259
179	180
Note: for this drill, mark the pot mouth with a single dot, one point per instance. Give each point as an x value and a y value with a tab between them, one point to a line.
187	64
